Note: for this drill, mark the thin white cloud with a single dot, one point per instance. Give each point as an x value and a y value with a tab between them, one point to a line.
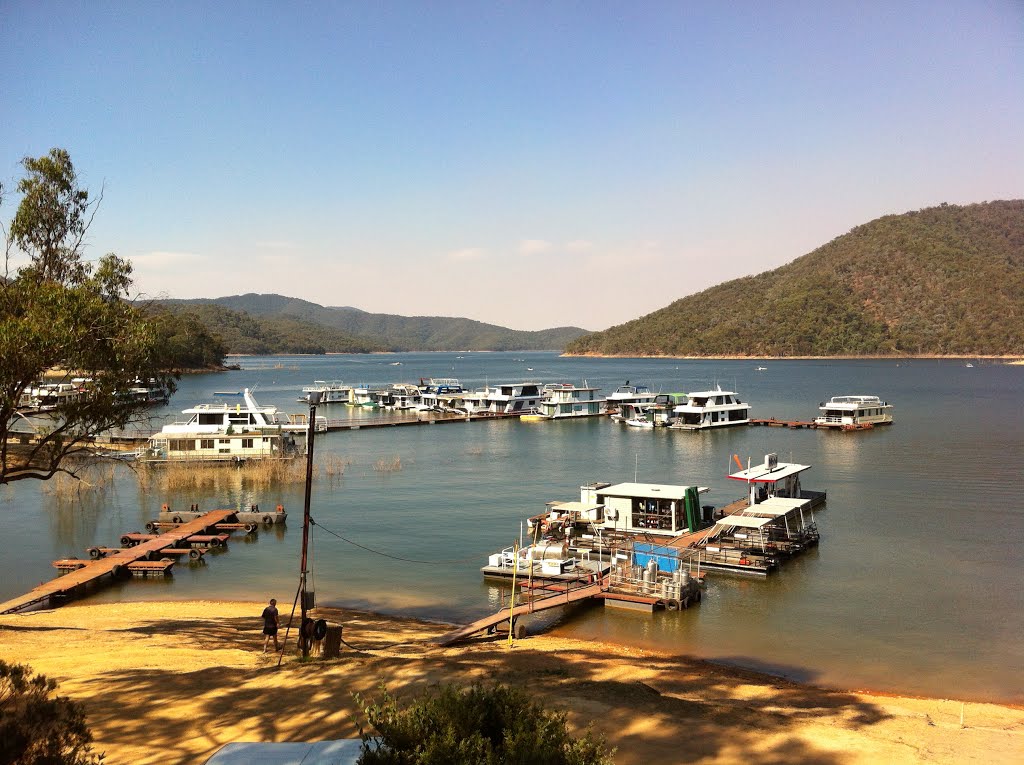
276	244
533	246
158	261
579	245
467	253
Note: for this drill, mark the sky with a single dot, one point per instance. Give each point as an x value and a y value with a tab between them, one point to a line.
525	164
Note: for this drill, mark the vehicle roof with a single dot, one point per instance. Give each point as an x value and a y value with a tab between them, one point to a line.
340	752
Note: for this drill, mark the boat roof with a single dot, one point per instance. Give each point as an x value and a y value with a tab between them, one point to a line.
716	392
775	506
649	490
853	401
762	474
573	507
746	521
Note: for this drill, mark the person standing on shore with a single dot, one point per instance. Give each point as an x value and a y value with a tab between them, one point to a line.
270	625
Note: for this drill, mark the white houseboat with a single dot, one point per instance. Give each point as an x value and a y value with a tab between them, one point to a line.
504	398
441	394
853	412
561	400
711	409
331	391
628	394
401	397
225	433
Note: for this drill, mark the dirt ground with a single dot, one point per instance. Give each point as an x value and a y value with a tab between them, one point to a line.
171	682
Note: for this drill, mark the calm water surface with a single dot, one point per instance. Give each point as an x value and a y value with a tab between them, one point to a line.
916	585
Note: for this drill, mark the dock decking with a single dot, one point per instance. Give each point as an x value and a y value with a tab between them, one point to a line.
567	595
113	564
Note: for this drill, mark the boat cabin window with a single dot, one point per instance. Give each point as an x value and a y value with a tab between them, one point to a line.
699	401
208	418
206	443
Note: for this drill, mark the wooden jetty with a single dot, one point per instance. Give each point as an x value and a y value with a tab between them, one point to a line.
114	563
562	595
771	422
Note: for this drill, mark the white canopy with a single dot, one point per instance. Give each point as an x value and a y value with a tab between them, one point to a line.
761	473
744	521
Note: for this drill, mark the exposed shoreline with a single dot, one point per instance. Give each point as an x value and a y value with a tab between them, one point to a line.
1007	358
170	682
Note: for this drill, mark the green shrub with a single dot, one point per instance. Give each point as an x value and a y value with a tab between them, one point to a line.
37	728
498	725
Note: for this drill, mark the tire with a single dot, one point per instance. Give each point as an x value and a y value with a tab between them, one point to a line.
177	519
126	541
320	629
250	528
94	553
117	570
672	604
519	631
150	526
268	520
194	554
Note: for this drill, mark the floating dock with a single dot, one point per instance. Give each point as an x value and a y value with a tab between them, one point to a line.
110	563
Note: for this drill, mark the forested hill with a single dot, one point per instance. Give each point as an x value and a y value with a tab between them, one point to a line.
946	280
278	324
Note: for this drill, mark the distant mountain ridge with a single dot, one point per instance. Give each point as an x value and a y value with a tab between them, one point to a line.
945	280
271	323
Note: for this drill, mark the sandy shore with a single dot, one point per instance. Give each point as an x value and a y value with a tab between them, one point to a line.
172	682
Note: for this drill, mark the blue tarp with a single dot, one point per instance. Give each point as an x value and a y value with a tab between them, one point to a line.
667	557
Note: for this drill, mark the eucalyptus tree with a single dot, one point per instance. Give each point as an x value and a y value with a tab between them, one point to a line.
61	311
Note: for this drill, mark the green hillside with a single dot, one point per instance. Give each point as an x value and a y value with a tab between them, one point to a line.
241	333
261	323
946	280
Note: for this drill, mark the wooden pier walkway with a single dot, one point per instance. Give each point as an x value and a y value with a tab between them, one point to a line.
771	422
365	423
113	564
570	595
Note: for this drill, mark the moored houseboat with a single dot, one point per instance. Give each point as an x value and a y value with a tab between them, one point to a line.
710	409
627	394
331	391
564	400
225	433
853	412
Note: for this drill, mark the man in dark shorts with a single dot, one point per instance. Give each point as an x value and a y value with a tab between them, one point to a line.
270	624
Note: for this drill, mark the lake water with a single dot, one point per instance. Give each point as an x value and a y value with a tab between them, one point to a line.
915	587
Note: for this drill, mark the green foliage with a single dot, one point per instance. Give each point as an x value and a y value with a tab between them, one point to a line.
475	726
38	728
947	280
186	341
61	311
280	322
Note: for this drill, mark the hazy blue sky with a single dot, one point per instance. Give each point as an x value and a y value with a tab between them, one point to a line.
525	164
